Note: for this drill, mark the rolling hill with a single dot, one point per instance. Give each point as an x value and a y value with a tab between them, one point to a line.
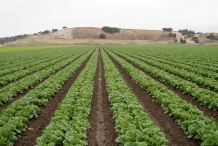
90	35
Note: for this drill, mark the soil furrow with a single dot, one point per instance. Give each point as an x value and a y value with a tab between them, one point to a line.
167	125
29	89
198	84
102	131
36	126
207	112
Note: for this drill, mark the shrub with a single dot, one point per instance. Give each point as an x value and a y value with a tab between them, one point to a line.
195	39
46	32
13	38
54	30
187	32
212	37
183	41
102	36
110	29
171	34
167	29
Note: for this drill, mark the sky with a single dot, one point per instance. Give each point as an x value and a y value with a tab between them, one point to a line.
31	16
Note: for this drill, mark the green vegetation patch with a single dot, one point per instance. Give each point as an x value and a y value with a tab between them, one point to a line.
21	48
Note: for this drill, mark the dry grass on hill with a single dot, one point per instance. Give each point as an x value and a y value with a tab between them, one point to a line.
90	35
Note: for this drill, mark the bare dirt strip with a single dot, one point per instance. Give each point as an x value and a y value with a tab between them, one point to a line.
36	126
29	89
173	132
102	131
207	112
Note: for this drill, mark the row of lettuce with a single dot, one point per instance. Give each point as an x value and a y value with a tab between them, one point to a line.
197	63
23	64
11	60
8	92
197	126
133	125
204	70
32	68
197	75
172	63
205	56
15	118
203	96
70	122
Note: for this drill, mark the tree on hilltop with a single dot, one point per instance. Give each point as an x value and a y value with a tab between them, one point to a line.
46	32
110	29
167	29
54	30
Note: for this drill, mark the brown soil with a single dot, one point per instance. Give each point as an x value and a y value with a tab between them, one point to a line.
19	96
167	125
188	98
102	131
36	126
29	89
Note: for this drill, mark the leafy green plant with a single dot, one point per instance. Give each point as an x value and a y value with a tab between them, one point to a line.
15	118
133	125
70	122
192	120
187	87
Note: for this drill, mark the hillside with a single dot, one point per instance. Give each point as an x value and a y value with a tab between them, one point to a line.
93	33
90	35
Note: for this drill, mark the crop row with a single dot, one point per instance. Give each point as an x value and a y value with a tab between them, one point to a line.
8	92
133	125
163	53
21	58
192	121
70	122
206	56
15	118
207	82
182	67
203	96
39	66
189	63
26	65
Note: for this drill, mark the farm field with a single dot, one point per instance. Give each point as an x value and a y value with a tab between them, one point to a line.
132	95
22	48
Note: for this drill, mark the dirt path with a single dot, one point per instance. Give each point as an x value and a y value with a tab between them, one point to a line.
36	126
102	131
167	125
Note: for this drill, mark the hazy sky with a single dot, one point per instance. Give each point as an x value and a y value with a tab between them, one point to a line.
31	16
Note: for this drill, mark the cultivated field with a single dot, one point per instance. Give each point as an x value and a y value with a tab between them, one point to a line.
132	95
